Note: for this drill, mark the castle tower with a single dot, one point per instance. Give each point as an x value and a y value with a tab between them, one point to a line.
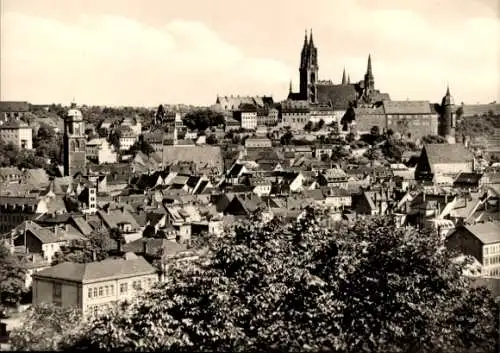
344	78
308	70
74	143
447	123
369	79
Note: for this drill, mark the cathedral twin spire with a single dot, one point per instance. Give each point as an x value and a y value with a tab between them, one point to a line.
309	51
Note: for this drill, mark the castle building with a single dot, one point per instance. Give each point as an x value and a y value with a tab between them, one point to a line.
447	123
74	143
361	106
338	96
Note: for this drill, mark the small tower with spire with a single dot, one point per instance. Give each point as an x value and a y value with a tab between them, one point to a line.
369	79
344	78
308	69
447	123
348	79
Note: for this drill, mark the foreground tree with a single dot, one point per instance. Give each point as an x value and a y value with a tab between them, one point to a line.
308	286
45	328
12	279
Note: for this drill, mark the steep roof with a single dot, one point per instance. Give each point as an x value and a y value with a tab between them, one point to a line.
487	233
15	107
447	153
45	235
339	96
200	155
98	271
407	107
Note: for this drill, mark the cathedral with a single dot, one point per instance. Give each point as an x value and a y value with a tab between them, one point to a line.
363	106
338	96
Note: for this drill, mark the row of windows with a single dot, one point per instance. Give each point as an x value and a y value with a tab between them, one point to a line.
492	260
103	291
136	285
494	272
490	250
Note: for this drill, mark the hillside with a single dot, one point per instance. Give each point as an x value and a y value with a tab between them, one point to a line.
480	126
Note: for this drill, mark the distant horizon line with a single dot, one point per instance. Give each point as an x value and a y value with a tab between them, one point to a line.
195	105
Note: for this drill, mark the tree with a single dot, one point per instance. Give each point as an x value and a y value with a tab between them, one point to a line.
308	127
114	138
117	236
287	138
311	285
212	139
433	139
149	232
12	279
321	123
375	131
201	119
46	328
94	248
160	115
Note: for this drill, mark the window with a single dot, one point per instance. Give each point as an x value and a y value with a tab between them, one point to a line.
56	291
107	290
123	288
90	292
95	292
112	290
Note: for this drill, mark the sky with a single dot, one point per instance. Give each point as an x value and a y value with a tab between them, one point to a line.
150	52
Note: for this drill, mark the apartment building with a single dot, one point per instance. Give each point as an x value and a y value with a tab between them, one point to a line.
93	286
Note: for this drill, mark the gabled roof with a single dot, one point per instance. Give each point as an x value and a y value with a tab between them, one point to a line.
487	232
14	106
444	153
407	107
117	216
45	235
468	178
98	271
82	225
339	96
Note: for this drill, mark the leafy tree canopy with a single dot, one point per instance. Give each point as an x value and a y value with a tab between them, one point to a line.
308	286
12	279
201	119
46	328
92	249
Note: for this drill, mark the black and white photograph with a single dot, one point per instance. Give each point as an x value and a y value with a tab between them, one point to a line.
245	176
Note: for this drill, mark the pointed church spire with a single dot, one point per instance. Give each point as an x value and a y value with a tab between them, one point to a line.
448	90
290	88
305	39
344	78
369	69
311	42
348	79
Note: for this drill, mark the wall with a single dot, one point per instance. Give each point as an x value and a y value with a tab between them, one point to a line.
43	292
452	168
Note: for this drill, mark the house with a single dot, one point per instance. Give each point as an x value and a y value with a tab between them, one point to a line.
95	285
333	178
122	220
295	114
99	150
469	181
482	241
258	142
337	198
35	239
13	109
443	159
243	205
247	116
18	133
375	202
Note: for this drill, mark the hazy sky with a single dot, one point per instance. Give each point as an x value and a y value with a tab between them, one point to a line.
121	52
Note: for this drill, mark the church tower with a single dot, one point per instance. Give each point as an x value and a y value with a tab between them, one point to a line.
344	78
74	143
308	70
447	123
369	79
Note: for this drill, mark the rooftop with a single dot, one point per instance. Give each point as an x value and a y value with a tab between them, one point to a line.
98	271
